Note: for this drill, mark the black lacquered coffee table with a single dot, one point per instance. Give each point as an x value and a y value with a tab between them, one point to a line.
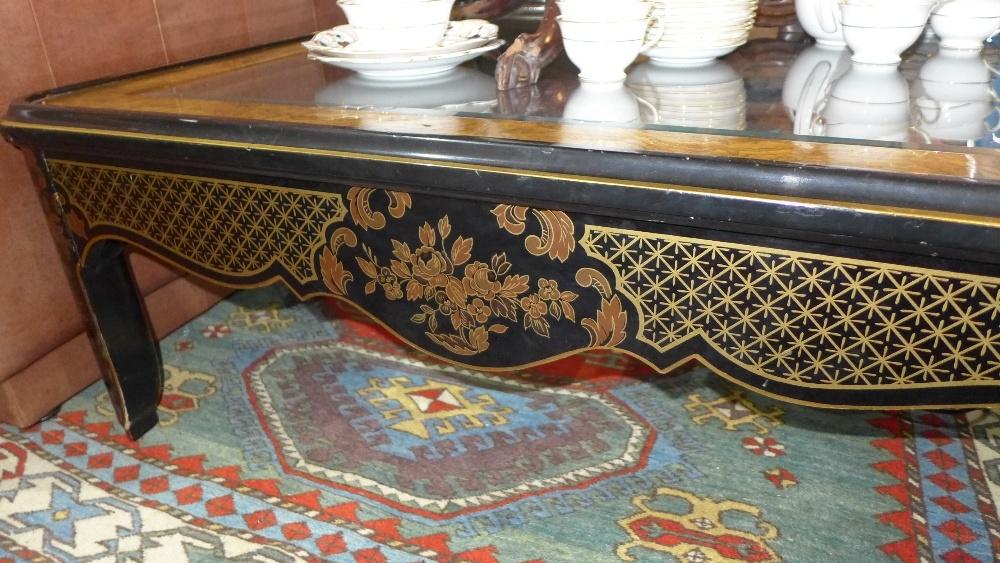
498	233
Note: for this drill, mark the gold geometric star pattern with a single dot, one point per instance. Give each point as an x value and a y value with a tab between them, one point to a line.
807	319
226	226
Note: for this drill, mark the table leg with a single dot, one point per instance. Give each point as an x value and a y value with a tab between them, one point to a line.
123	337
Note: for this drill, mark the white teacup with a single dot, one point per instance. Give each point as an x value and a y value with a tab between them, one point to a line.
894	132
602	50
605	103
956	76
591	10
821	20
969	8
886	13
402	24
878	31
964	32
808	81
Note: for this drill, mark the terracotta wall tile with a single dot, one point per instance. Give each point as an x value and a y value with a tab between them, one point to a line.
38	310
195	28
87	39
24	235
23	66
274	20
328	14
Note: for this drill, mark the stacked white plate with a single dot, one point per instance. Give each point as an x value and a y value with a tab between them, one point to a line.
464	40
711	96
695	32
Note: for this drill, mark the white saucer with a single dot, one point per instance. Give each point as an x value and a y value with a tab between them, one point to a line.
381	67
340	42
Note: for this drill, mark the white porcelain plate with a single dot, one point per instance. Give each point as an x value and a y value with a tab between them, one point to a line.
341	42
381	67
681	55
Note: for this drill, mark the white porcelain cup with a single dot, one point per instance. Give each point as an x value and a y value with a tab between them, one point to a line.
968	8
808	82
964	32
592	10
603	103
820	19
894	132
602	50
401	24
957	76
886	13
878	31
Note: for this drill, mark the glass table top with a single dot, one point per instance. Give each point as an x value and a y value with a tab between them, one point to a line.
769	88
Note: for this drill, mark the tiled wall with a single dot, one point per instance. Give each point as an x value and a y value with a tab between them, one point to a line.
49	43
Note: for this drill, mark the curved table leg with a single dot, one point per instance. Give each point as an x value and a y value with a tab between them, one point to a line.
122	337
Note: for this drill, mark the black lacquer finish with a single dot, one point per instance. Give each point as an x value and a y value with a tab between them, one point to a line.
821	284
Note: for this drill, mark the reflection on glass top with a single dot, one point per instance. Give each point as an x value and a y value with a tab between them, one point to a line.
767	88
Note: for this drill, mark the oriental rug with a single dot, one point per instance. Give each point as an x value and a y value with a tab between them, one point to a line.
289	434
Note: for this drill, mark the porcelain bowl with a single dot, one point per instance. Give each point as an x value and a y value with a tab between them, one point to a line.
886	13
584	10
810	76
601	61
895	132
871	85
963	132
955	66
964	32
838	110
969	8
880	45
605	103
951	114
819	18
398	25
607	31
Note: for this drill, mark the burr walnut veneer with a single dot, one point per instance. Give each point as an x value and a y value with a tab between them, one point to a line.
826	272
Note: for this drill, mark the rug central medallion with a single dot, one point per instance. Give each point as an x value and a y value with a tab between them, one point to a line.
435	440
435	406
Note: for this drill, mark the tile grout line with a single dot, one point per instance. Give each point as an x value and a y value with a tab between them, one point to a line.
41	40
246	23
159	28
315	25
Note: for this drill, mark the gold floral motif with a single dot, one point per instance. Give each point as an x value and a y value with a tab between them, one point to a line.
463	301
556	239
335	275
360	207
607	328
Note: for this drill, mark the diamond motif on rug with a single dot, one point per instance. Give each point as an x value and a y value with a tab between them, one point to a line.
438	441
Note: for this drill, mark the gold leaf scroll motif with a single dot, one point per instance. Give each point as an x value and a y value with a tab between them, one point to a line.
335	275
463	301
360	207
607	328
556	237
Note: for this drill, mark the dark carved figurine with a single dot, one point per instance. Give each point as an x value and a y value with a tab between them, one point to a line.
522	62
